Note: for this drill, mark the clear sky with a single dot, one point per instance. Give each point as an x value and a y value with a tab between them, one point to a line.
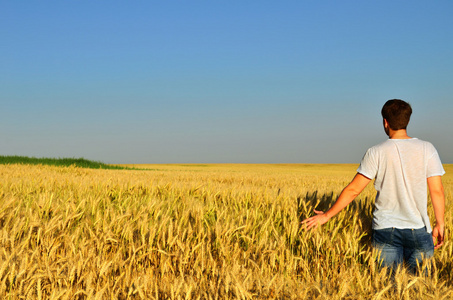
221	81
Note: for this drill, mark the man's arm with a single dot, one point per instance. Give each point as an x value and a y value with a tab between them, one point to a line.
436	191
349	193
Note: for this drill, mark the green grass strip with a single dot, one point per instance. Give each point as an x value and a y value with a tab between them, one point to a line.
60	162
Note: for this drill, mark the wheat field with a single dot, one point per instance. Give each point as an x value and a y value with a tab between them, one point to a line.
196	232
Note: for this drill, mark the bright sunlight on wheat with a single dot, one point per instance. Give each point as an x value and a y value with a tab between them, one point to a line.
196	232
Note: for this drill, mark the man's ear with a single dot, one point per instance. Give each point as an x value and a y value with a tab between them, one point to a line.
386	127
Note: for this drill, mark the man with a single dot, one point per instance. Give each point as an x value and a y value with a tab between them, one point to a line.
403	169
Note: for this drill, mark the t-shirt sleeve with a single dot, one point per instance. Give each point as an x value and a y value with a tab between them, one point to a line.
369	164
434	166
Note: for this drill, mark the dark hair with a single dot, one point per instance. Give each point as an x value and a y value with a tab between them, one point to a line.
397	113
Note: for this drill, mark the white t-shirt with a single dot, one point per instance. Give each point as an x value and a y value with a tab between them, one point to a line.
400	168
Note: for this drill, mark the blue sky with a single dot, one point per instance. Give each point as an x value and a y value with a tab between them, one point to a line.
221	81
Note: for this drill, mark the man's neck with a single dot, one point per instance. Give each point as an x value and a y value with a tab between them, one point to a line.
400	134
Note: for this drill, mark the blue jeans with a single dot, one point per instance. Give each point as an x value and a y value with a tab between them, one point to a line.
403	246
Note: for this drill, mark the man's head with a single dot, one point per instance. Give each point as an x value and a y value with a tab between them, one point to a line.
397	113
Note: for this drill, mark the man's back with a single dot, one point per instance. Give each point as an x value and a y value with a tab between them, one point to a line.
401	167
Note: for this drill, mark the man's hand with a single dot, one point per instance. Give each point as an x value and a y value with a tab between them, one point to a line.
436	190
315	221
438	236
352	190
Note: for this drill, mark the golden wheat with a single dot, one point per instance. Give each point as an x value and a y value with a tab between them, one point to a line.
196	232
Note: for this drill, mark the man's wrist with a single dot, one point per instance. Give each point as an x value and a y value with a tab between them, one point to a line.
328	215
440	224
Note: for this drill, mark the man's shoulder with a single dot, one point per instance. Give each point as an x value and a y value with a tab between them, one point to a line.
425	144
390	142
384	144
389	145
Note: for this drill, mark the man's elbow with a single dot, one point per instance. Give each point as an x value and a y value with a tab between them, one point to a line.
352	192
437	194
437	191
435	185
